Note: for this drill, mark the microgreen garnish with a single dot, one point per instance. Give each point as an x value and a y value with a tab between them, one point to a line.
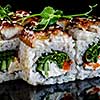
50	16
5	12
84	14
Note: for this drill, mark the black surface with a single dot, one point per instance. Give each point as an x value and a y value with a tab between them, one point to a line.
68	6
20	90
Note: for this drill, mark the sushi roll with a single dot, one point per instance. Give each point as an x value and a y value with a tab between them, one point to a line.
86	33
53	47
9	43
47	56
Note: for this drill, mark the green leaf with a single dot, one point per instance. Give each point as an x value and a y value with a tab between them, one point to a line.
7	8
47	12
4	12
53	20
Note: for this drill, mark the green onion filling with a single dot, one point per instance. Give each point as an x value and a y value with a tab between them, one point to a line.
56	57
92	53
6	57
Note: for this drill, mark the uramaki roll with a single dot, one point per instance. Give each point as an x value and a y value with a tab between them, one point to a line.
47	56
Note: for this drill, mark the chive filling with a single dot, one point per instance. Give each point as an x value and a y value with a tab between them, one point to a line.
92	53
57	57
6	57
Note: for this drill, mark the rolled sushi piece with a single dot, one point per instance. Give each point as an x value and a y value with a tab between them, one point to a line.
47	56
10	28
9	43
9	65
86	33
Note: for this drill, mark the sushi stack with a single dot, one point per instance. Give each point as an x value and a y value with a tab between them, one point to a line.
62	51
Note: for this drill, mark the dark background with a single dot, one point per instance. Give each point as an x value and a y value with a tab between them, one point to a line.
68	6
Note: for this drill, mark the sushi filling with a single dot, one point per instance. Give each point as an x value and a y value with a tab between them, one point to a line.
6	58
53	61
92	56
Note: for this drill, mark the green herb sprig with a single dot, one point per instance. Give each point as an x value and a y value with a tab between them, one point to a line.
84	14
50	16
57	57
5	12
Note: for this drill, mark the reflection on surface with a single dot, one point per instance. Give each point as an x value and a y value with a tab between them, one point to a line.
79	90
